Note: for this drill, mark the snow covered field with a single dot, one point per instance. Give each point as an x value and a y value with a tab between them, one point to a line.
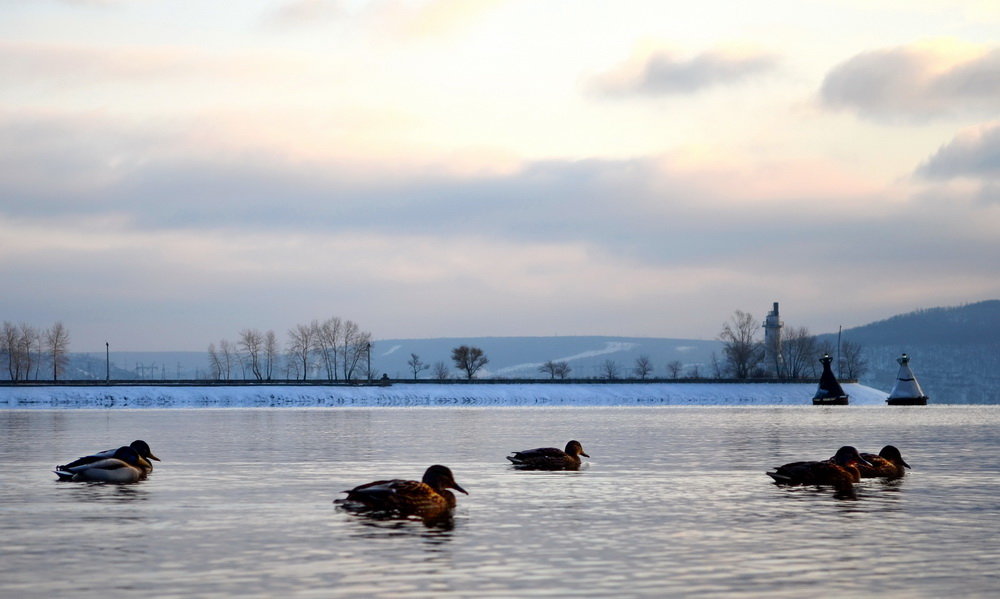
673	394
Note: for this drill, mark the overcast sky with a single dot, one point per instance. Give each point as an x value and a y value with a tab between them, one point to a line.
172	172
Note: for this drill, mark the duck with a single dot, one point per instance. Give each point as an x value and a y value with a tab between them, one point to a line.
426	497
840	471
549	458
889	463
139	446
123	466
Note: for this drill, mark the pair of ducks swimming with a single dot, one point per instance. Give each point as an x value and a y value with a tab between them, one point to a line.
844	469
431	495
127	464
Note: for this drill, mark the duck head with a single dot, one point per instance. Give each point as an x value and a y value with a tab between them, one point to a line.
439	478
575	448
142	448
848	455
891	453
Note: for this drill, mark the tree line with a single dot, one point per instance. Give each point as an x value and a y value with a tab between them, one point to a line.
32	353
339	350
334	350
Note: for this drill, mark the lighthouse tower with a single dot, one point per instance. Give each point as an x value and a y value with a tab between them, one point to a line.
772	342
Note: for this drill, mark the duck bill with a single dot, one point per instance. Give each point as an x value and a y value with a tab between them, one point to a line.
904	463
153	457
586	455
454	485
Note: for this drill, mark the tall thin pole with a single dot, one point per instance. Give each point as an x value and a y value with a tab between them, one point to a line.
839	330
107	362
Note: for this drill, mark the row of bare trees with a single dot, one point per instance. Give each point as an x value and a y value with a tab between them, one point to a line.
32	353
332	349
797	356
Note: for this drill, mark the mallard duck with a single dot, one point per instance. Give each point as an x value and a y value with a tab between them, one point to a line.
122	467
426	497
889	463
140	447
549	458
840	471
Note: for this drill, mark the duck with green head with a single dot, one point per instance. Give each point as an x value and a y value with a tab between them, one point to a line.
139	446
122	467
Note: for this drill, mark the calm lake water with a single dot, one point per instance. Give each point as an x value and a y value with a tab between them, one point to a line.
674	502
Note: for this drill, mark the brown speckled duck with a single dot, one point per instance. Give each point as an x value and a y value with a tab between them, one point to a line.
429	496
549	458
840	471
889	463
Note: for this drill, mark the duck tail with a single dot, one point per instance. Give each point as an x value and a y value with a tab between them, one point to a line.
779	478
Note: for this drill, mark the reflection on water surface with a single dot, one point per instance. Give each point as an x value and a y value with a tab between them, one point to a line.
674	501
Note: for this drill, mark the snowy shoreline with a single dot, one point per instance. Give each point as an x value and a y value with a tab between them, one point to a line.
427	395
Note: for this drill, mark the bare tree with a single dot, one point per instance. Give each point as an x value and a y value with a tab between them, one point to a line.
740	345
416	365
798	348
694	372
643	367
300	347
674	368
610	370
852	357
57	348
441	371
326	344
252	342
357	346
716	366
270	353
555	369
27	343
12	351
469	359
214	362
226	354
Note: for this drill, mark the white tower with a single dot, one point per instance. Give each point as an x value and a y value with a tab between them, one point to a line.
772	342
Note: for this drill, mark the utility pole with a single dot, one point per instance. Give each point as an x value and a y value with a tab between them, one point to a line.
107	362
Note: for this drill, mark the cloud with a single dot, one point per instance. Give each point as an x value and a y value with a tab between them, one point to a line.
659	73
974	153
967	167
915	83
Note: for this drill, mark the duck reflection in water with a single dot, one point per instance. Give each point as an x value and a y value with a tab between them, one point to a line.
427	499
840	472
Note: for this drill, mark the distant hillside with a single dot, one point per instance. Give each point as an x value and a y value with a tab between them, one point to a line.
955	352
509	357
513	357
971	324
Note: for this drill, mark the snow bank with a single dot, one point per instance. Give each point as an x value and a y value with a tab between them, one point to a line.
401	395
